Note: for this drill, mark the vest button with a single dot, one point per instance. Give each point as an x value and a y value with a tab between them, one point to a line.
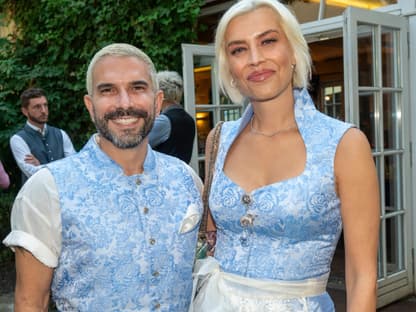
138	181
152	241
157	305
155	273
145	210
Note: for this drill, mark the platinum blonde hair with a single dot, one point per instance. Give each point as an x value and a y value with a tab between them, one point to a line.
170	82
291	28
120	49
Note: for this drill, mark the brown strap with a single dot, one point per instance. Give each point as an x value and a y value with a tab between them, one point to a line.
212	155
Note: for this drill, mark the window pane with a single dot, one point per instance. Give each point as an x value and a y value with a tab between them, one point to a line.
365	55
391	121
367	116
204	123
394	241
392	185
389	57
203	75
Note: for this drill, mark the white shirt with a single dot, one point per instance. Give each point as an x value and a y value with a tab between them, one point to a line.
20	149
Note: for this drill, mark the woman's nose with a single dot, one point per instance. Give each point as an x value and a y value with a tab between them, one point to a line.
256	56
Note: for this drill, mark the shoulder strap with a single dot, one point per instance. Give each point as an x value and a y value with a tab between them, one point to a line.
212	155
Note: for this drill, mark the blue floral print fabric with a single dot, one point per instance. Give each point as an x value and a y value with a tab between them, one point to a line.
122	248
297	221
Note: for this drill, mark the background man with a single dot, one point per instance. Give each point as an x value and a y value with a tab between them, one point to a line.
38	143
113	227
174	130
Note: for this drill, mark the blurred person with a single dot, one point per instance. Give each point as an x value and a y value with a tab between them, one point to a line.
4	178
113	227
38	143
173	132
287	179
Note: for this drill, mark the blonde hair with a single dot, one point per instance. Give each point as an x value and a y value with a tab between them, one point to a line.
291	28
121	49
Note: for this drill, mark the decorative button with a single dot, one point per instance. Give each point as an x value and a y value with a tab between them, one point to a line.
138	181
157	305
145	210
246	199
152	241
155	273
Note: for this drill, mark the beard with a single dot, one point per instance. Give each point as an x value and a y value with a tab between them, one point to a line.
127	138
43	119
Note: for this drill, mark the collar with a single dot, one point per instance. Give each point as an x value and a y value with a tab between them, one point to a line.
149	162
37	129
302	100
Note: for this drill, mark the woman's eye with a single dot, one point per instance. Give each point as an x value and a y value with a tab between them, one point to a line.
236	51
269	41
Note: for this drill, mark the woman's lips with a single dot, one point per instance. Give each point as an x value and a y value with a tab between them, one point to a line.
259	76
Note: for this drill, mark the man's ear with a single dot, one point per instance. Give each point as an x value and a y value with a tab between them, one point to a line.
159	101
89	105
24	111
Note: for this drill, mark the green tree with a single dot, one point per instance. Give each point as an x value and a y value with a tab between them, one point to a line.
51	42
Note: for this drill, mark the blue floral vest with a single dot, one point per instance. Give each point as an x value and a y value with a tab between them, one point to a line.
121	246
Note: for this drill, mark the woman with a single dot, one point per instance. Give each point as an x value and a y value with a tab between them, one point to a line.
287	178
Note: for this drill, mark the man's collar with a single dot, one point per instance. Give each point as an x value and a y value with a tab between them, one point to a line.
42	131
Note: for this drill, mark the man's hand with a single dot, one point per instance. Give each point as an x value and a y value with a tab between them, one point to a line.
30	159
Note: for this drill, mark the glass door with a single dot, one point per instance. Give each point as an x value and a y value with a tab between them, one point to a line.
376	86
203	99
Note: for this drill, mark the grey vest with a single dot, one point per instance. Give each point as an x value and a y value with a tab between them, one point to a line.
45	148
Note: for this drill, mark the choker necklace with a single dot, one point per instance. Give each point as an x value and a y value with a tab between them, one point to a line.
269	135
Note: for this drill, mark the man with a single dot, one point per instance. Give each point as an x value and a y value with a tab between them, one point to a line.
174	130
114	227
38	143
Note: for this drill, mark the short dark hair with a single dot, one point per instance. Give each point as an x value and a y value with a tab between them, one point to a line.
31	93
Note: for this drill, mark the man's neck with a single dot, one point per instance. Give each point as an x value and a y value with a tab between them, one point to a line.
37	126
130	159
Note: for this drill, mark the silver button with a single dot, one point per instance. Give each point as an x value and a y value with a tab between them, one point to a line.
145	210
138	181
155	273
246	199
152	241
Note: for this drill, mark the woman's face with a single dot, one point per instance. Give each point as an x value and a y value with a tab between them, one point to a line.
259	55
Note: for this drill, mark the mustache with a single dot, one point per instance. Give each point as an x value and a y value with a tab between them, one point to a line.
120	112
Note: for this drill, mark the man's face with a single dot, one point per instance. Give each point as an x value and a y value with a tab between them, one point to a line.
37	111
123	104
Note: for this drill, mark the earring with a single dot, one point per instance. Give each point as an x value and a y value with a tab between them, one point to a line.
293	66
232	82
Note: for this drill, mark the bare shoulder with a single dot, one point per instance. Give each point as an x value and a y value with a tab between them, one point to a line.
354	143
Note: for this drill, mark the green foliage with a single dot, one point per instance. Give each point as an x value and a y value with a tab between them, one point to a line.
51	42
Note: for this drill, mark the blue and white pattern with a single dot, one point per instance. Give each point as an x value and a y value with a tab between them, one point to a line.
298	221
123	248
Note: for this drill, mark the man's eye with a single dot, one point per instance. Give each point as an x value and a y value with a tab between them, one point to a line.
106	90
138	88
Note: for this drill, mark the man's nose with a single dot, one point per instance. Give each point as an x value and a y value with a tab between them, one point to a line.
44	108
124	98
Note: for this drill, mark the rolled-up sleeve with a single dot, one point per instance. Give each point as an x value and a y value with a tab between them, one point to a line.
36	219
